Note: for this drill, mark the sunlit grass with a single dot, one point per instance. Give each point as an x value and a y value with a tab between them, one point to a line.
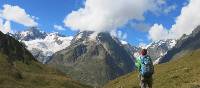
33	75
180	73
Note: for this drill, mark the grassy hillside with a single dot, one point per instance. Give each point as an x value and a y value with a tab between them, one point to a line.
32	75
19	69
183	72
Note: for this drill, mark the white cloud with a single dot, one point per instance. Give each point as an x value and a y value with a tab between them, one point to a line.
5	26
158	32
185	23
139	26
120	35
58	27
1	24
124	42
161	2
169	9
34	17
143	45
188	20
107	15
164	8
124	36
18	15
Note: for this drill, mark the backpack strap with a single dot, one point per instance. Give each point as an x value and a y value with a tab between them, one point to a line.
142	59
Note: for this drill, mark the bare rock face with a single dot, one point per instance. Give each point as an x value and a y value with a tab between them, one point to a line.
93	61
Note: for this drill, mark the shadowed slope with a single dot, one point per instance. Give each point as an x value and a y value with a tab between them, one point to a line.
19	69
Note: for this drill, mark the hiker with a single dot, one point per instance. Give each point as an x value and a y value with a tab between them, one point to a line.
145	67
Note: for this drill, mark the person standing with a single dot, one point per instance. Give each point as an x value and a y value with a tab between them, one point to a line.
145	67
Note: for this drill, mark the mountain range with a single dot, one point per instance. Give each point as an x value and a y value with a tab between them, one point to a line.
178	68
160	48
92	59
87	54
42	45
186	44
19	69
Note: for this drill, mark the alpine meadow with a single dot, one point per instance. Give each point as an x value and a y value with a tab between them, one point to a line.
99	44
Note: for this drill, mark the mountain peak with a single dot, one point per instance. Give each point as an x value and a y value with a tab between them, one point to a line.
85	58
88	36
159	48
196	31
30	34
81	36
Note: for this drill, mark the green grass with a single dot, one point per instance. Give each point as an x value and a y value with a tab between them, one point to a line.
183	72
33	75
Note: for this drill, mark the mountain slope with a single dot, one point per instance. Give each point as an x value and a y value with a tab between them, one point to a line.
19	69
186	44
93	61
131	49
180	73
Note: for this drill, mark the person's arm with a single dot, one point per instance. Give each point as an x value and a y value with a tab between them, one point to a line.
138	63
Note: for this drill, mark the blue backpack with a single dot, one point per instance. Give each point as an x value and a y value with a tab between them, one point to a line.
147	68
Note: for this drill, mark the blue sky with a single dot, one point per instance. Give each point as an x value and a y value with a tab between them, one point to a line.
51	12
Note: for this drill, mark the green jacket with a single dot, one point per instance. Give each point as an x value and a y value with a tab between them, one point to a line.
138	63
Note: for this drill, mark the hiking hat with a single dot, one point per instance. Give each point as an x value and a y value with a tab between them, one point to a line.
144	52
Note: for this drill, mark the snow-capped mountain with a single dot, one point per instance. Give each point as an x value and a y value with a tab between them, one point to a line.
42	45
86	35
156	49
81	37
31	34
159	48
93	53
186	44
